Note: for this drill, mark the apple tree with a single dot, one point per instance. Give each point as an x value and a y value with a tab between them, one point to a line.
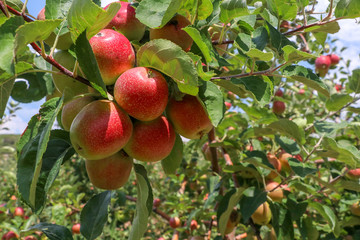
206	119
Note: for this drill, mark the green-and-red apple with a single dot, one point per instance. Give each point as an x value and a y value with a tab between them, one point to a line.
278	107
335	59
151	141
114	54
174	222
322	65
62	81
189	117
277	195
110	173
173	31
353	174
142	92
76	228
262	215
126	23
19	211
100	130
355	209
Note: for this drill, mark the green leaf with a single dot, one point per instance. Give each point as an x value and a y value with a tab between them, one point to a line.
284	9
96	17
328	215
94	215
213	99
300	168
156	14
5	91
231	9
203	10
30	87
260	55
34	31
349	185
168	58
337	101
251	200
354	81
55	9
172	162
289	145
347	9
332	27
7	33
88	64
52	231
307	77
277	39
321	38
293	55
144	203
206	76
281	221
226	206
297	209
290	129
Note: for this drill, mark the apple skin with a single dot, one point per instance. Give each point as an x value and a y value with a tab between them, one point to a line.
233	220
322	65
189	117
277	195
72	108
76	228
174	222
142	92
262	215
173	31
355	209
335	59
126	23
276	163
62	81
151	141
156	202
278	107
353	174
19	211
100	130
283	158
279	93
10	235
114	54
110	173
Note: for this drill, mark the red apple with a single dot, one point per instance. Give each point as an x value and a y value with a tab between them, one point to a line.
262	215
76	228
110	173
100	130
174	222
335	59
278	107
156	202
353	174
193	225
19	211
142	92
322	65
10	235
338	87
126	23
277	195
151	141
173	31
301	91
279	93
114	54
228	105
189	117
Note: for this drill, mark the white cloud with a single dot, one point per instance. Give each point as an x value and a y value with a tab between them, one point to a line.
106	2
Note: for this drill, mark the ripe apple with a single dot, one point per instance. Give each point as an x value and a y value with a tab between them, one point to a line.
355	209
278	107
228	105
193	225
72	108
215	32
110	173
335	59
142	92
277	195
276	163
10	235
301	91
64	41
173	31
156	202
233	220
62	81
114	54
151	141
126	23
100	130
189	117
338	87
76	228
174	222
322	65
19	211
353	174
279	93
283	158
262	215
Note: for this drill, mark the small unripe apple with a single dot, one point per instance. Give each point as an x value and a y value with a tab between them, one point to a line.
126	23
353	174
76	228
355	209
110	173
233	220
100	130
277	195
19	211
142	92
322	65
278	107
114	54
151	141
276	163
189	117
335	59
173	31
174	222
283	158
262	215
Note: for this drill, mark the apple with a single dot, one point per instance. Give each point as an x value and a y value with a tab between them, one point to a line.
233	220
19	211
10	235
279	93
62	81
283	158
301	91
110	173
126	23
100	130
64	41
231	95
156	202
142	92
322	65
215	32
262	215
173	31
114	54
193	225
284	26
228	105
72	108
338	87
353	174
76	228
355	209
277	195
278	107
189	117
276	164
174	222
335	59
151	141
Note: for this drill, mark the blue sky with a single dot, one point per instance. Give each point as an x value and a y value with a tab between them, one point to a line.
348	36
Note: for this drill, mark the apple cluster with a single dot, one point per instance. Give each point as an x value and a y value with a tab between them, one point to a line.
141	120
324	62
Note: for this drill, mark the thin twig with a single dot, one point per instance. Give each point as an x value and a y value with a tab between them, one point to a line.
311	25
314	149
